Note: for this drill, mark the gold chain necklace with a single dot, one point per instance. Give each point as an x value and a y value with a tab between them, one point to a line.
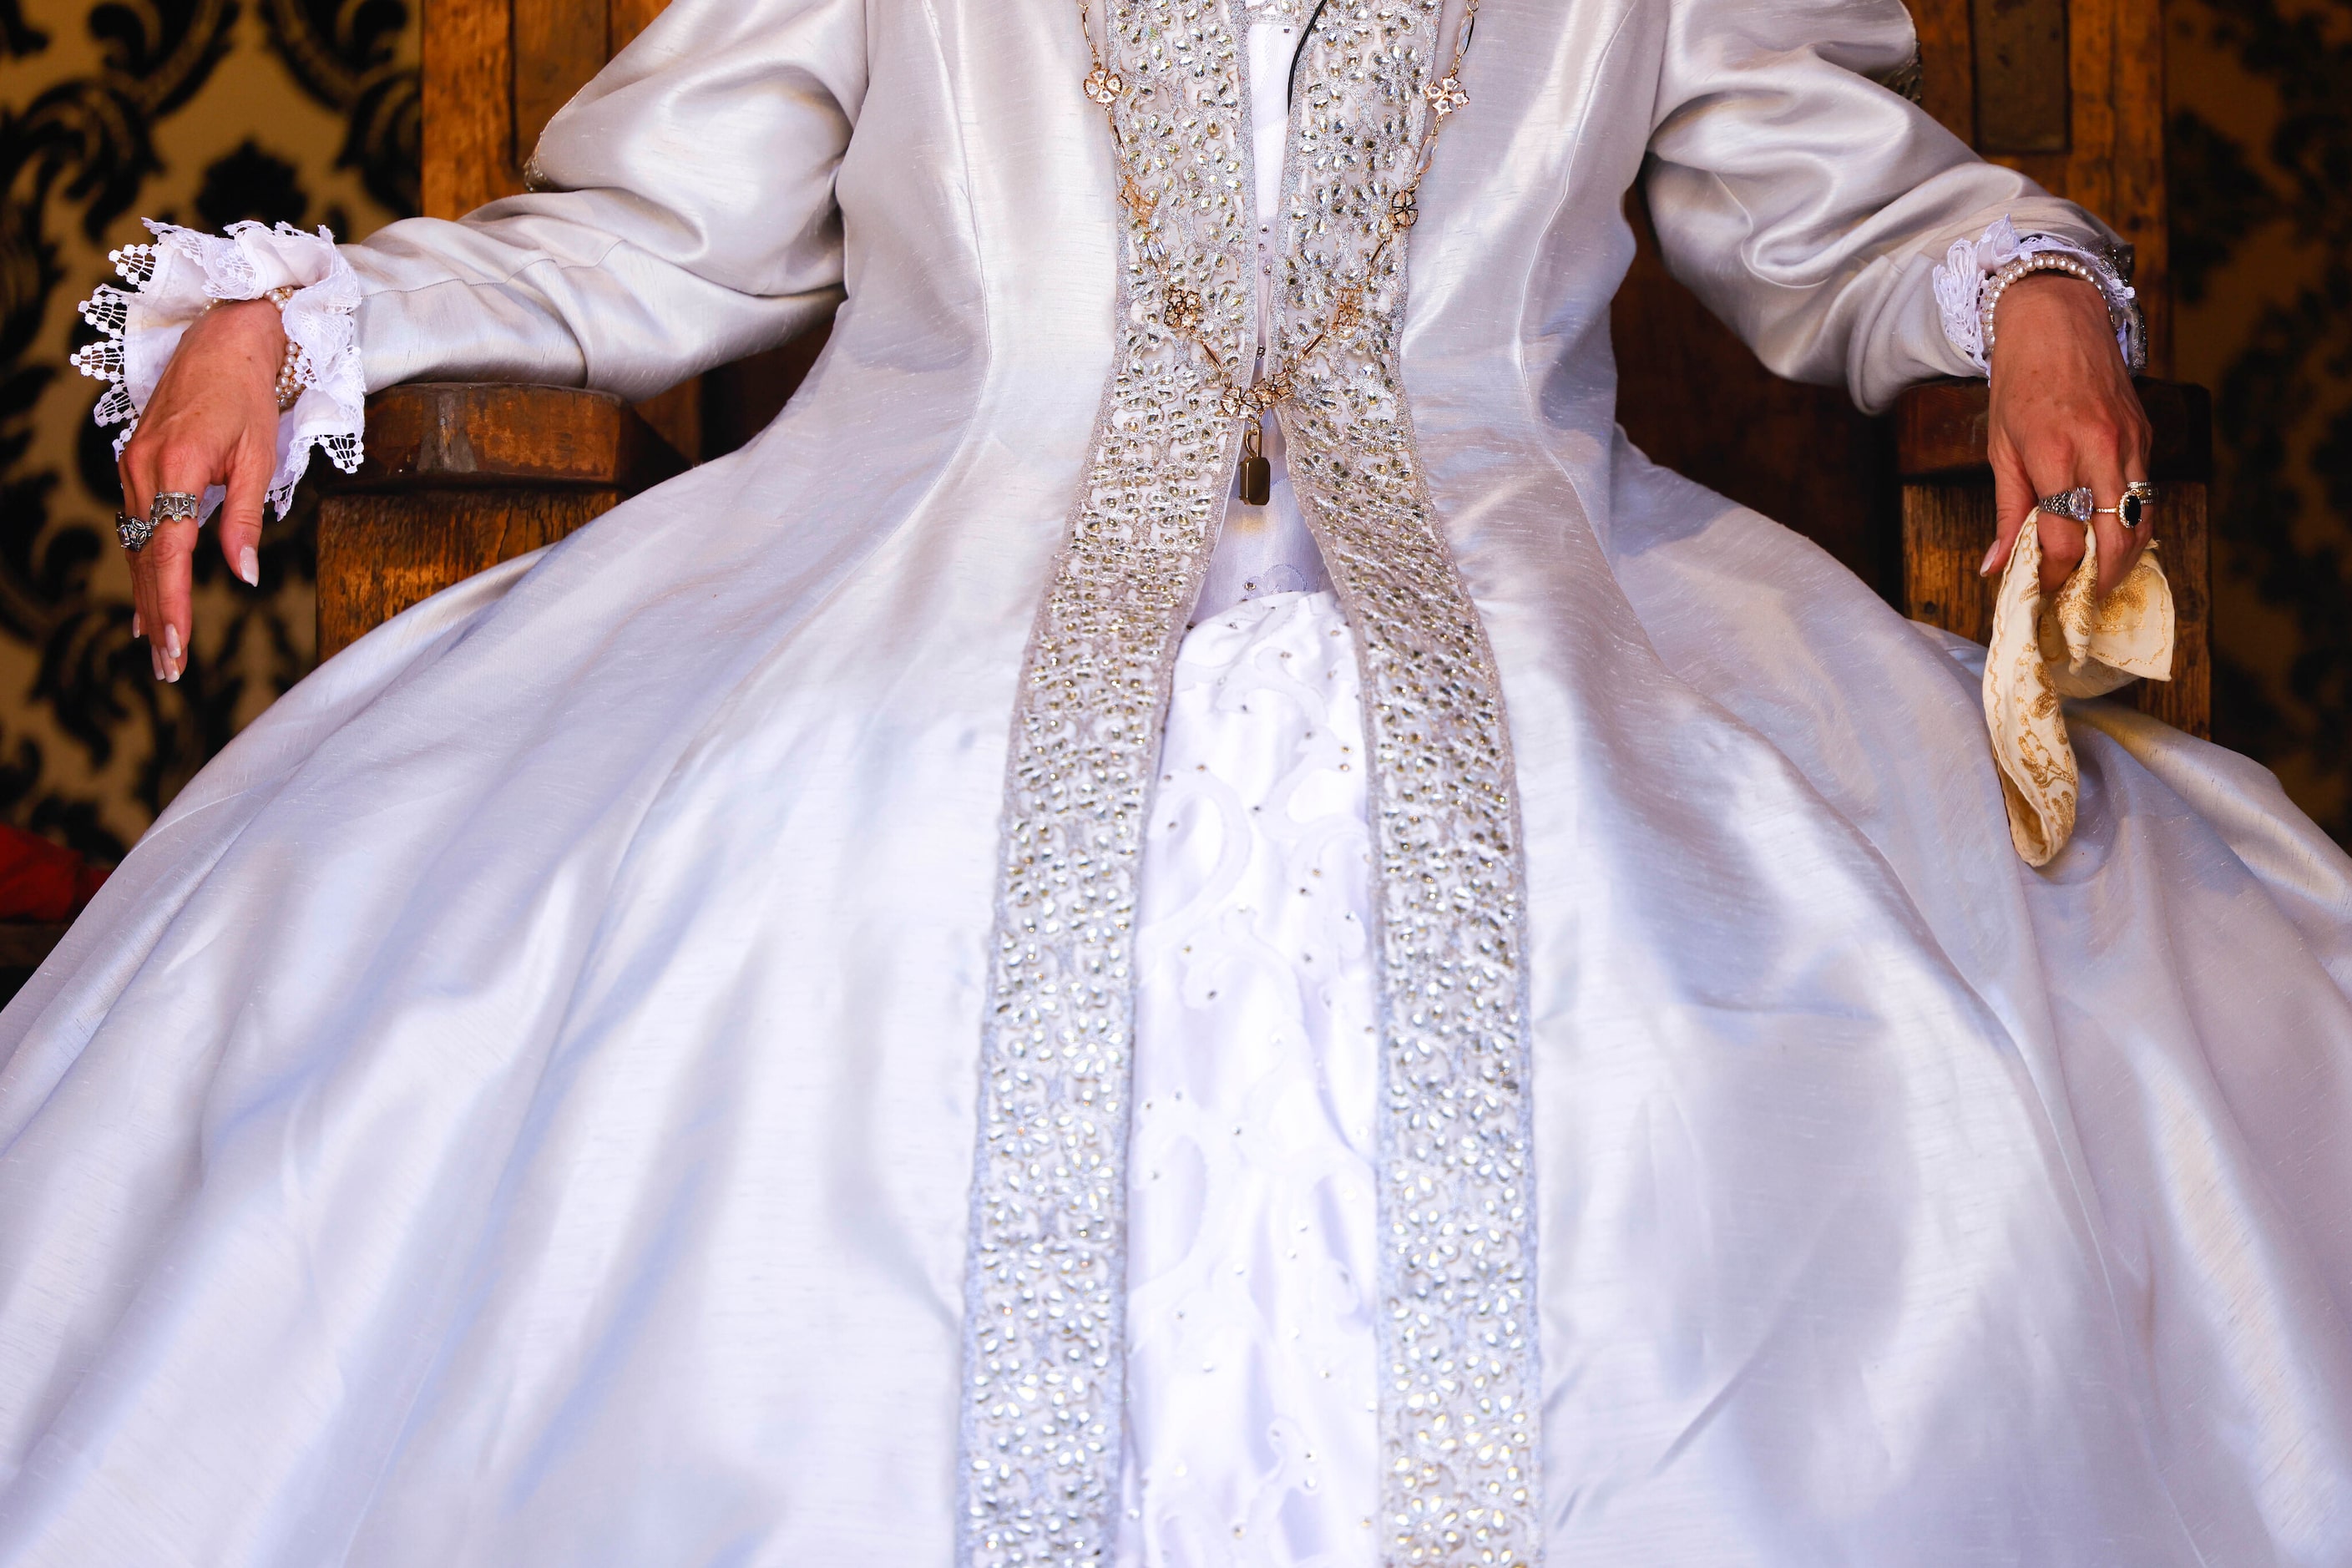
1185	313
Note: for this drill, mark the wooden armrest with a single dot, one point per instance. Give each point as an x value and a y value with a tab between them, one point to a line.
463	434
460	475
1948	523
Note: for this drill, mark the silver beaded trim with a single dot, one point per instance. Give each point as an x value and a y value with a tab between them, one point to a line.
1045	1285
1460	1397
1045	1274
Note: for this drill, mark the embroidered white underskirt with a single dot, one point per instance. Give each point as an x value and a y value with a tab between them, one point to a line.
1251	1435
1250	1432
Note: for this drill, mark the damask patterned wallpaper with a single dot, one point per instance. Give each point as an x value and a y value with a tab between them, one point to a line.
209	110
200	111
2260	144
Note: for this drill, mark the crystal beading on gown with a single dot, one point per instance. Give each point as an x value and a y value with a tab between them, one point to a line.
519	1105
1251	1435
1455	1334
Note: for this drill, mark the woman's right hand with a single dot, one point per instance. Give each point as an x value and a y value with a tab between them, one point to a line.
213	420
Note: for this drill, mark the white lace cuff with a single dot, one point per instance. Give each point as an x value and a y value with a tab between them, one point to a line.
1967	270
178	277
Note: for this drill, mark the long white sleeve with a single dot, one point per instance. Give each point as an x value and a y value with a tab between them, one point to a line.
1809	206
682	216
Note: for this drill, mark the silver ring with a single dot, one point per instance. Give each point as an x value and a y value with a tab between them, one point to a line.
173	506
2077	503
133	532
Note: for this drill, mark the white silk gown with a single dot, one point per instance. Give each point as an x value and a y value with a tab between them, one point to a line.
815	1022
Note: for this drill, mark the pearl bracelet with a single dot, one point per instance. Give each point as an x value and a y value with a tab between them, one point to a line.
291	378
2039	261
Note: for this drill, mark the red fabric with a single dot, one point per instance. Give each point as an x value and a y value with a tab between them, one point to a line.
42	882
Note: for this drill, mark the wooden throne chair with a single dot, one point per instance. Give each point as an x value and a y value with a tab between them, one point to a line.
460	477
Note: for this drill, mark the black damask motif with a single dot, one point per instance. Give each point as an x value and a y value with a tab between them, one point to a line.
159	55
86	143
346	54
2217	200
250	184
2293	373
81	153
17	38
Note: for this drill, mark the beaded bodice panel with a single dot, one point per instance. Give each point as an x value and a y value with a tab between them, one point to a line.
1460	1393
1044	1278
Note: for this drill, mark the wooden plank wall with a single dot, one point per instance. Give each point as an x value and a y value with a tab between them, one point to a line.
467	132
2112	157
495	73
2070	92
2086	122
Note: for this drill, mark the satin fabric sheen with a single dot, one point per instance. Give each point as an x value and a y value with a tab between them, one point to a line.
516	1107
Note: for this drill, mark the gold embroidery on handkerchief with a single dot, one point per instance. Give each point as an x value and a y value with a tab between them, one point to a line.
2076	645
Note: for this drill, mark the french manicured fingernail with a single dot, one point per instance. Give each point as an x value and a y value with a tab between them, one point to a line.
1984	567
135	632
155	659
249	566
172	644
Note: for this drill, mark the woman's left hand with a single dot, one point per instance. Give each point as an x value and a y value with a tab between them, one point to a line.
2064	413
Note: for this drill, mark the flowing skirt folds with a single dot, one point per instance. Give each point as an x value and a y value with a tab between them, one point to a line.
516	1106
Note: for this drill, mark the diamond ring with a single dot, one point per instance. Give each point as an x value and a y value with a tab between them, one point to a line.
2077	503
133	532
2082	505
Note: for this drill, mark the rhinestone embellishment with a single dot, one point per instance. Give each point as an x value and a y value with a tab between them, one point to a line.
1185	312
1460	1399
1257	397
1046	1277
1045	1273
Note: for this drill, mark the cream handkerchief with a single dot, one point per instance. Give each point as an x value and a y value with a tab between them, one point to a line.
2076	645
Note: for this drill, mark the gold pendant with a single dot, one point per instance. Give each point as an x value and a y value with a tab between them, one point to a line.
1258	474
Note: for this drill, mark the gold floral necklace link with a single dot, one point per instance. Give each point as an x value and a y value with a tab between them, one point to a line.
1184	312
